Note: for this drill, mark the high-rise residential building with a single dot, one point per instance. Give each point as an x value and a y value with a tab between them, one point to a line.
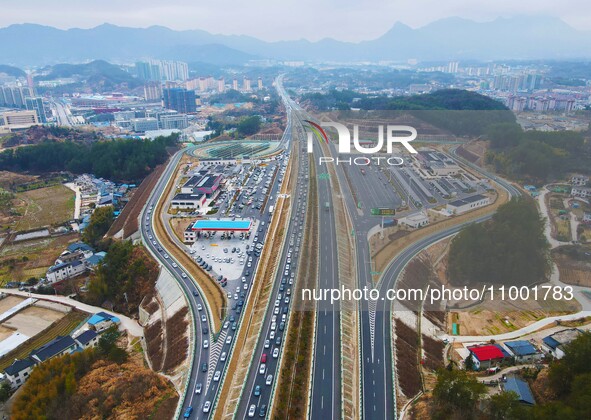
174	70
246	85
179	99
153	91
452	67
36	104
260	83
235	84
148	70
14	97
221	85
160	70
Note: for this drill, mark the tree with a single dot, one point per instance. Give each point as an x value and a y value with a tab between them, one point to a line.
575	362
457	392
5	391
510	249
249	126
505	406
100	222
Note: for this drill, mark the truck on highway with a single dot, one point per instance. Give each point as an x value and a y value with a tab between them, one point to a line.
271	208
327	206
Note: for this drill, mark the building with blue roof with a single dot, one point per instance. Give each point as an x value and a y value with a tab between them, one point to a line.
80	246
523	351
18	372
87	339
65	271
95	259
521	388
102	321
554	344
56	347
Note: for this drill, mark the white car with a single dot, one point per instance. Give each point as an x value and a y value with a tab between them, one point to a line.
252	410
223	357
275	353
199	307
226	325
272	335
207	406
203	319
228	339
276	311
267	344
205	344
245	287
262	369
183	275
269	380
216	375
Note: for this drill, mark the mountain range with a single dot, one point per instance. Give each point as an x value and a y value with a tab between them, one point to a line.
517	38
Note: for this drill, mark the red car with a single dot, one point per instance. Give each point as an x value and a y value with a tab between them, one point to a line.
264	358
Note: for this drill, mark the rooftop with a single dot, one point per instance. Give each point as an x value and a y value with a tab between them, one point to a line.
561	337
467	200
102	316
521	388
521	347
222	224
54	347
488	352
182	196
86	337
18	366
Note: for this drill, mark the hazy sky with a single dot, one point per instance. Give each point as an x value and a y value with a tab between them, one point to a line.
347	20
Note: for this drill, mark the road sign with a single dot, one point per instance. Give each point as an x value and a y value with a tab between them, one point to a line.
382	212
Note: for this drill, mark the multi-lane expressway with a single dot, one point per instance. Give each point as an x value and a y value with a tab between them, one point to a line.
377	378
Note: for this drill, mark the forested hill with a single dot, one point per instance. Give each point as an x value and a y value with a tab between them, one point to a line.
118	160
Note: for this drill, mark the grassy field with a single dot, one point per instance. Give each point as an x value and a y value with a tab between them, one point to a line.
62	327
22	260
45	206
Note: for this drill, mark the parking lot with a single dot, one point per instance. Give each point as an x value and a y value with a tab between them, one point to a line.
227	257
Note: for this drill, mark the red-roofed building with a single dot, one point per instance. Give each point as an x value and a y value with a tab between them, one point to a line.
486	356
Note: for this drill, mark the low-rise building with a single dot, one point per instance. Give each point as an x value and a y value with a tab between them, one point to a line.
206	184
188	201
87	339
415	220
65	271
56	347
487	355
141	125
554	344
102	321
523	351
521	388
18	372
468	203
